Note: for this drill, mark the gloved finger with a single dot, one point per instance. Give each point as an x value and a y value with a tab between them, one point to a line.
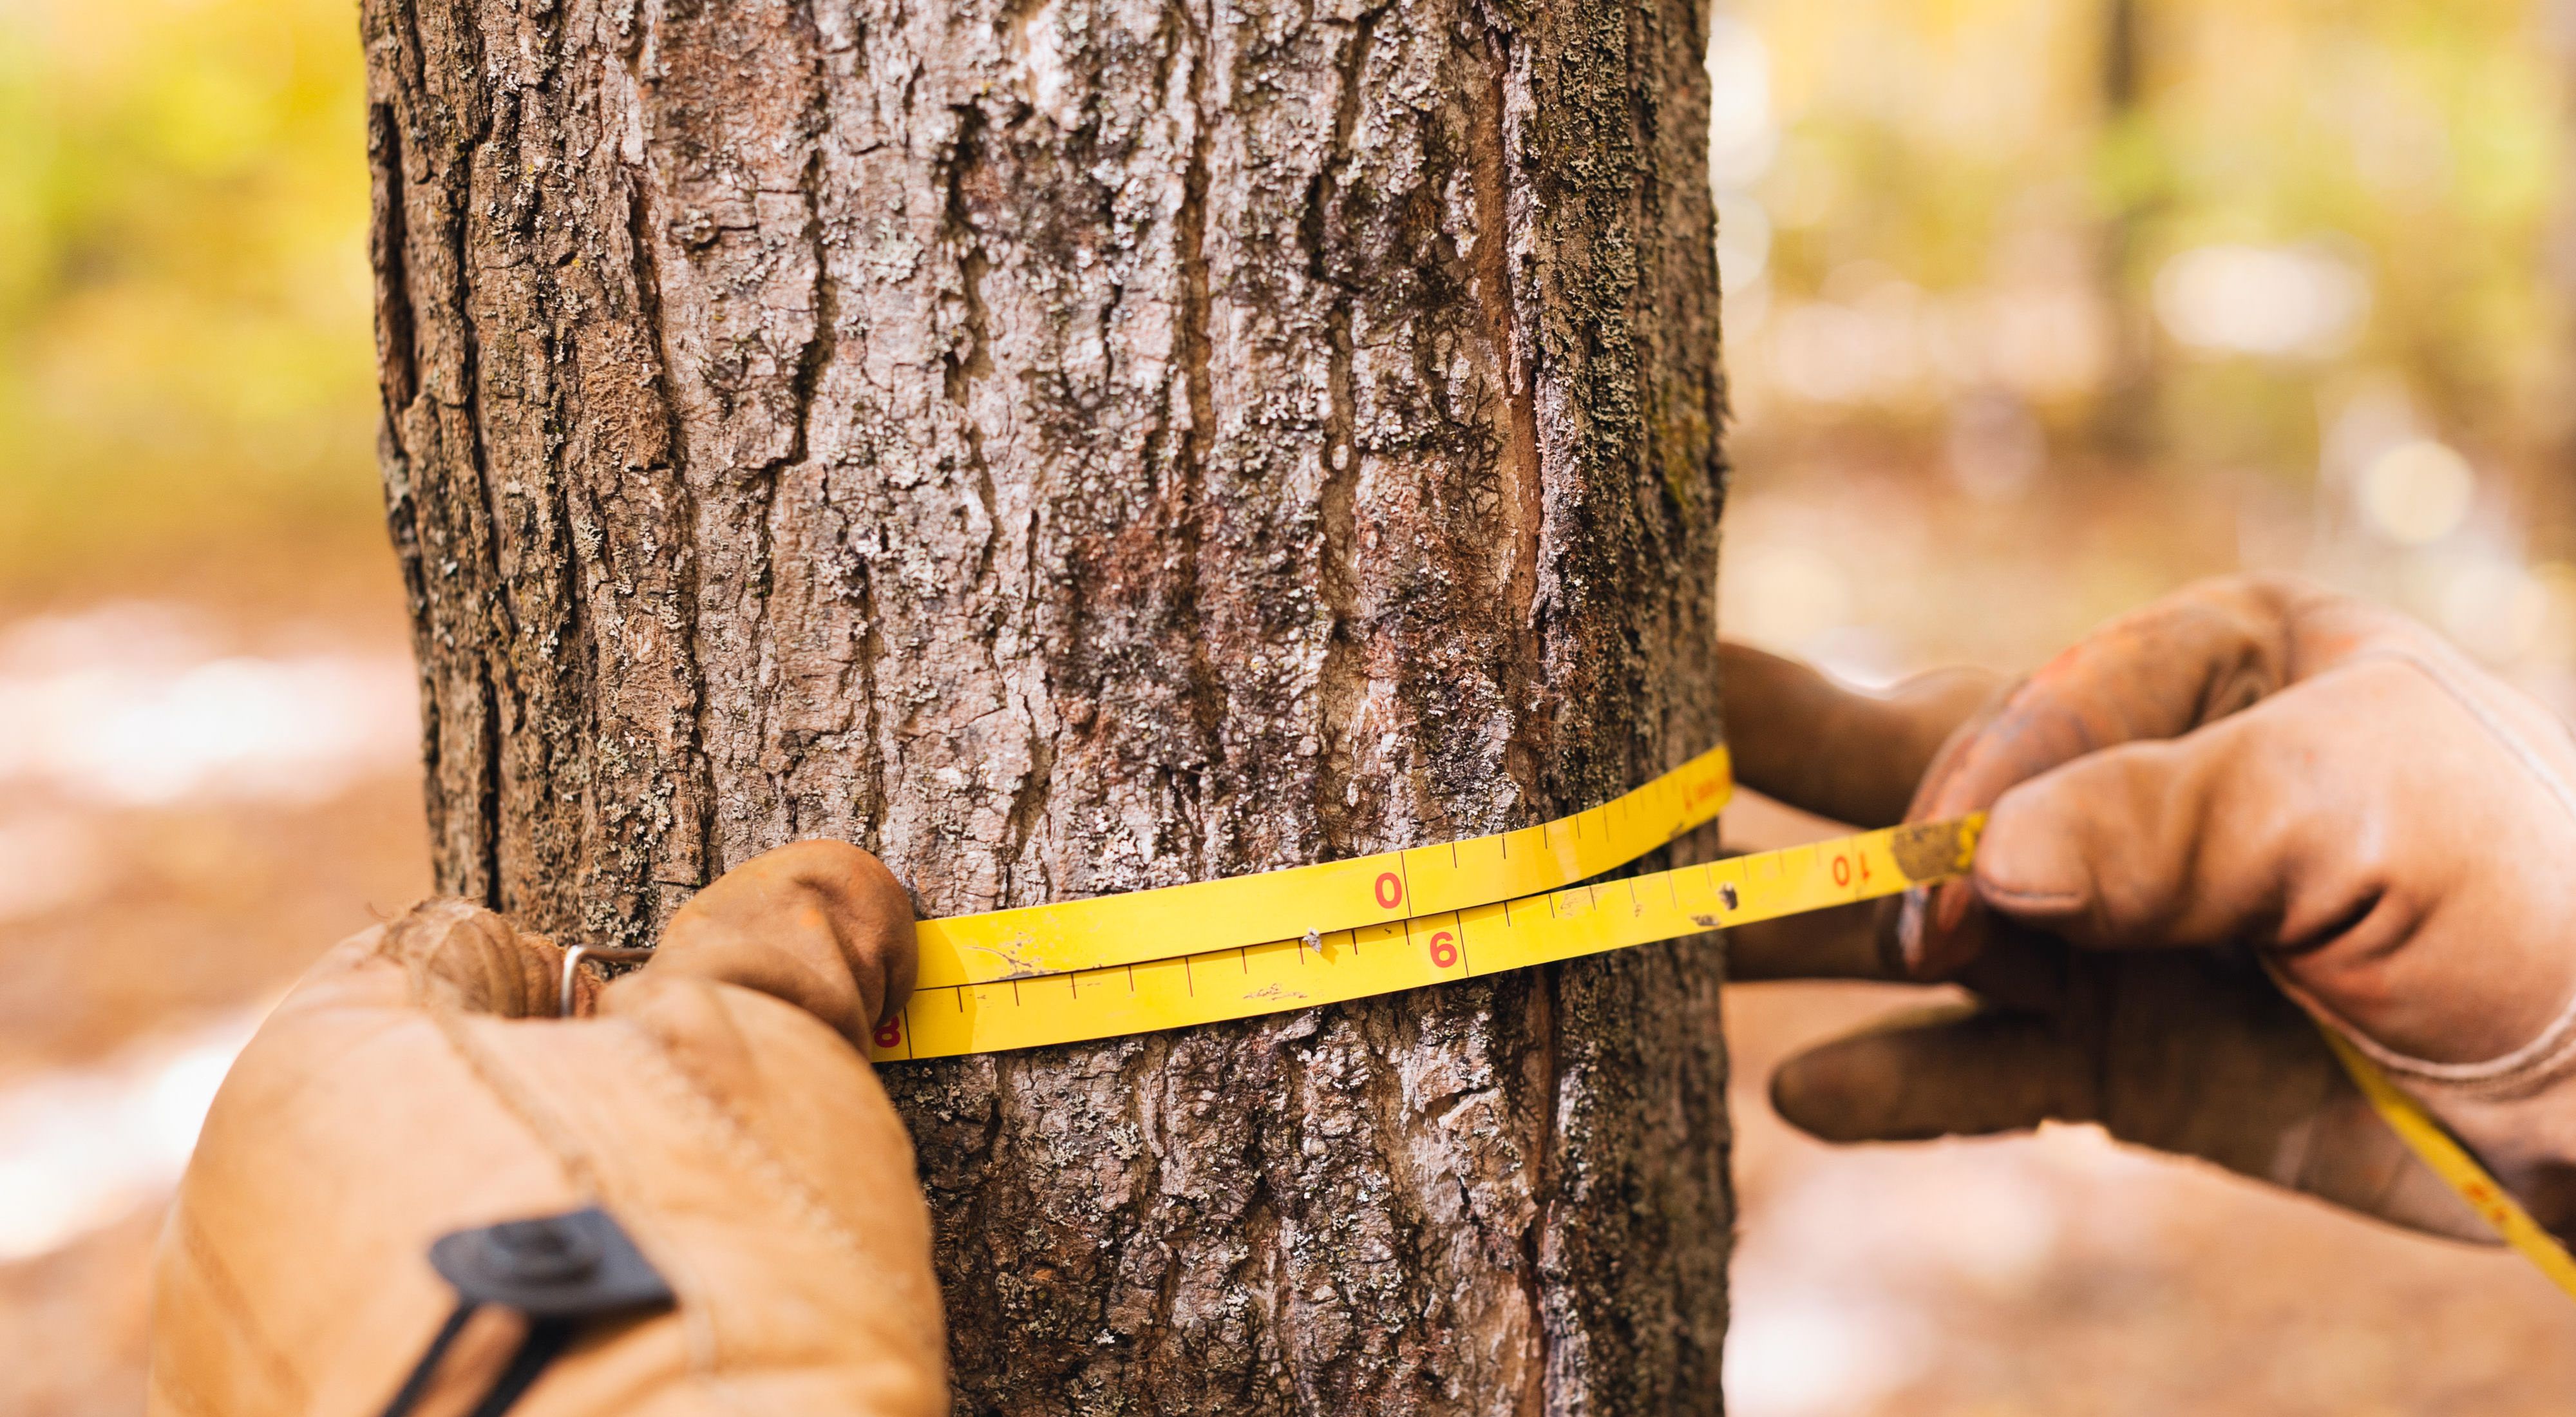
820	924
2329	825
2187	844
1841	942
2020	968
443	953
1976	1072
2190	659
2202	1056
1955	1070
1840	753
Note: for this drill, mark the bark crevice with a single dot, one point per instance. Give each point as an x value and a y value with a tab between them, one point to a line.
1190	512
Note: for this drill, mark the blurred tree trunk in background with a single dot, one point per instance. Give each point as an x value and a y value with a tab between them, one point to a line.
1071	447
2125	421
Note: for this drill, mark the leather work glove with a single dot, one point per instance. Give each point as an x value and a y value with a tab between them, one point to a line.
417	1083
2252	778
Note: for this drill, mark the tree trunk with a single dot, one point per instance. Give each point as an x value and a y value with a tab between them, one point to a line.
2124	411
1070	446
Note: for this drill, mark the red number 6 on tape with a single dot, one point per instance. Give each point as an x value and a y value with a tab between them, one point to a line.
1444	950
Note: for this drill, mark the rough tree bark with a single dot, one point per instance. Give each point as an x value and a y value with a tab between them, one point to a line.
1069	446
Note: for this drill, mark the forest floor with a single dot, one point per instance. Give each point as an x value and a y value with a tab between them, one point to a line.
209	776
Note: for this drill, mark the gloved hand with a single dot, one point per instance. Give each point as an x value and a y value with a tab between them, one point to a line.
2251	775
417	1082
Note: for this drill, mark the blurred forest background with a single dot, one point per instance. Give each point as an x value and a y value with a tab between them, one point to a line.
2035	309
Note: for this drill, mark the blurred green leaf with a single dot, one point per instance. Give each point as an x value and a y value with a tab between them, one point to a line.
184	350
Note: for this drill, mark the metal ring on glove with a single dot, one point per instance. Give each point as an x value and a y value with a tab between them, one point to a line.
572	967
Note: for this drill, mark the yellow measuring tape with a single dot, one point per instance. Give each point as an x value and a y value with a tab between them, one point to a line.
1385	889
1329	966
2429	1139
1313	935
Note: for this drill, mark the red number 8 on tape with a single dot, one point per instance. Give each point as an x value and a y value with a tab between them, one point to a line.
1444	951
889	1034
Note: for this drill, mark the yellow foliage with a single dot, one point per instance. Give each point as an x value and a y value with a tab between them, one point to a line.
184	301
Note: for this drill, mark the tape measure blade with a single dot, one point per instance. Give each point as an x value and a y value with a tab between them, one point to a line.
1247	981
1141	925
892	1042
1564	925
1209	987
1471	872
1438	943
2458	1168
1767	888
1588	920
1240	911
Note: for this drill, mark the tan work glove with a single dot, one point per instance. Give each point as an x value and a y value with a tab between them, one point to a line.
2252	774
417	1083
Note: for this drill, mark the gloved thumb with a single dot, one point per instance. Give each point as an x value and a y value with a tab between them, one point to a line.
2203	840
1836	752
820	924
